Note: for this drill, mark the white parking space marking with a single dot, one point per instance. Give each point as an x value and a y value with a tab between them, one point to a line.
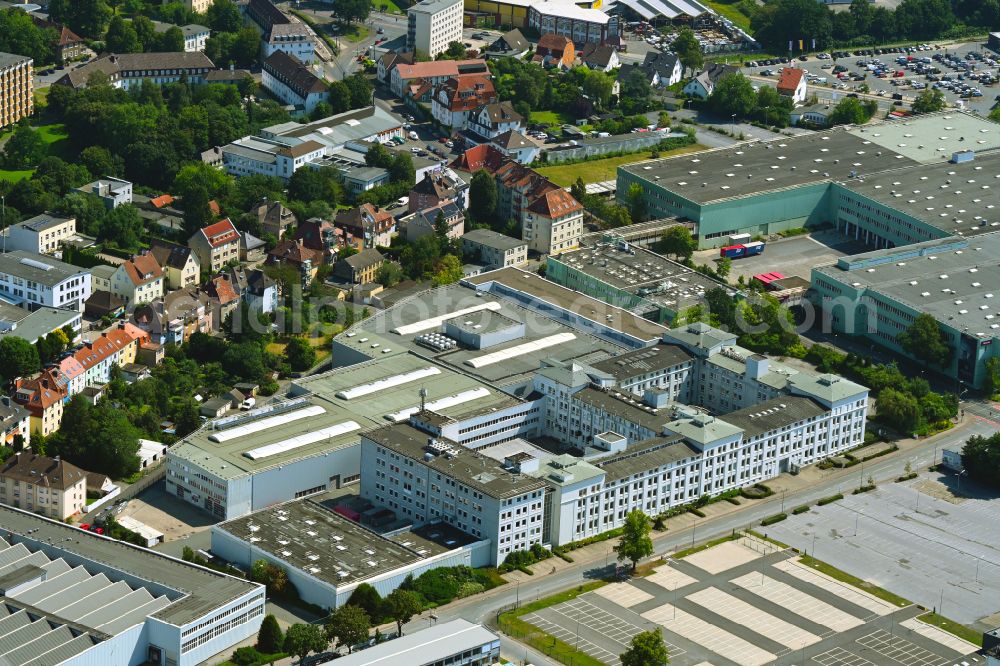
604	623
623	594
723	557
670	579
941	636
901	650
798	602
709	636
846	592
765	624
571	638
838	656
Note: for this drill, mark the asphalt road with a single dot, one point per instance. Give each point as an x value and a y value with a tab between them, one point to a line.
484	608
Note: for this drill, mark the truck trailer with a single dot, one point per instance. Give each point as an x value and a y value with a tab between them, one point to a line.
742	250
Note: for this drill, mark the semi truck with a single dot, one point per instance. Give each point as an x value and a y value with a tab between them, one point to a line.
742	250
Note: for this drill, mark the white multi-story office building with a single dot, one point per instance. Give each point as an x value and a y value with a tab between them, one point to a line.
33	280
252	155
426	479
433	24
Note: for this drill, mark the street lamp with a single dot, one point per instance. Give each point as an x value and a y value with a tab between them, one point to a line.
734	123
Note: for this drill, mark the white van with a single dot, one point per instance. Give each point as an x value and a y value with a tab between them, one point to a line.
413	136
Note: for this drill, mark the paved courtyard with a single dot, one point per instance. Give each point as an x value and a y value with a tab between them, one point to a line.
921	539
749	603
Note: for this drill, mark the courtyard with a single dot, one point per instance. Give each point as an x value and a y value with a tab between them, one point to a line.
750	602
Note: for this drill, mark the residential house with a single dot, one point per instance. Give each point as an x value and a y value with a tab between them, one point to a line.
322	236
817	115
69	45
274	218
176	317
792	83
666	68
702	85
42	234
47	486
15	424
180	264
138	280
213	157
493	249
216	245
252	249
279	32
555	51
293	82
627	71
359	268
223	294
518	147
126	70
435	189
43	397
491	120
553	223
294	253
72	377
457	98
424	222
511	44
484	156
385	63
257	291
102	303
601	57
433	72
113	192
113	348
369	222
195	35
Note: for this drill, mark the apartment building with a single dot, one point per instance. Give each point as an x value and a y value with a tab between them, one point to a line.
455	100
47	486
290	80
431	73
17	97
493	249
137	280
43	396
15	424
180	264
432	25
425	479
33	280
42	234
216	245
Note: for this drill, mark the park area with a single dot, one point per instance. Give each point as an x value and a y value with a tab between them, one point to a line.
53	136
744	600
601	170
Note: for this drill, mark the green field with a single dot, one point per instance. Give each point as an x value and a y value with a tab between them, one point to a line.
729	9
55	136
598	171
14	176
549	118
354	33
390	7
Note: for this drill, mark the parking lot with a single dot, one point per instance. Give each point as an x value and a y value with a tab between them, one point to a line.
921	539
859	66
791	256
749	602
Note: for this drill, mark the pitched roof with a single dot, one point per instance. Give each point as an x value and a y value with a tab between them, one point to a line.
661	63
365	216
67	37
161	201
437	68
294	73
598	54
500	112
42	471
466	92
483	156
220	233
142	269
221	289
111	342
112	64
514	41
169	254
294	251
364	259
41	392
552	42
555	203
433	184
789	79
513	140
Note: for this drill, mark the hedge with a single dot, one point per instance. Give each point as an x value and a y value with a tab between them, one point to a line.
863	489
776	518
830	499
800	509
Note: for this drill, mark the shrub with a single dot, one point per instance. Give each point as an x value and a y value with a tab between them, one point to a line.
776	518
800	509
863	489
830	499
697	512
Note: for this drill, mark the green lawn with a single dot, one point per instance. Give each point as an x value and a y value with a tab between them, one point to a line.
14	176
354	32
952	627
390	6
598	171
729	9
57	138
549	118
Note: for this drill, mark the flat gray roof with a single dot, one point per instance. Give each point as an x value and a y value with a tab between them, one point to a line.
467	466
626	406
423	647
930	137
483	321
492	239
41	322
10	59
328	546
643	361
638	271
646	455
38	268
773	414
960	287
764	166
191	591
433	6
959	199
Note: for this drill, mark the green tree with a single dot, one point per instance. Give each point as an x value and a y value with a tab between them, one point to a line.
378	156
301	639
723	266
270	639
360	87
99	161
24	149
597	86
483	198
455	51
300	354
389	274
636	198
224	16
100	437
991	380
171	41
402	170
348	625
646	649
272	576
849	111
122	37
368	599
898	409
733	94
678	241
634	543
928	101
981	458
307	185
350	11
18	358
449	271
197	211
400	606
340	97
925	340
687	48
